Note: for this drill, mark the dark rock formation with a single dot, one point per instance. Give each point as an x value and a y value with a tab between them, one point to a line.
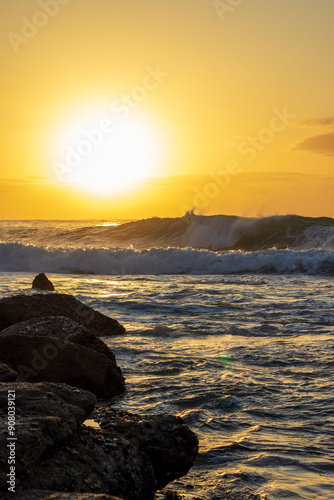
7	374
38	358
54	453
170	445
42	283
129	456
46	414
98	463
23	307
61	328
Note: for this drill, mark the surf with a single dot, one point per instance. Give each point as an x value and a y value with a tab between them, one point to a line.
215	233
155	261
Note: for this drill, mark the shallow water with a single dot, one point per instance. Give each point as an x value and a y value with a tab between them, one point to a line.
246	360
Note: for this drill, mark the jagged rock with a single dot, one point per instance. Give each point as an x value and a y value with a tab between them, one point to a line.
42	283
46	414
54	453
170	445
98	463
7	374
61	328
23	307
38	358
73	396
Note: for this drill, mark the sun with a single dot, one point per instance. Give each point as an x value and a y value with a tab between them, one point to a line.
101	155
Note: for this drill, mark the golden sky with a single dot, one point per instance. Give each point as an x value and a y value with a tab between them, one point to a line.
139	108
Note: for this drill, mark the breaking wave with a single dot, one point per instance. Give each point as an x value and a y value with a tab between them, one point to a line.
118	261
191	244
217	233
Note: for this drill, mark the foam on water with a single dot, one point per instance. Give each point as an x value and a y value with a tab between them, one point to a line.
19	257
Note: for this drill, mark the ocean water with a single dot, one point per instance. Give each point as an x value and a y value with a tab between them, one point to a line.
230	324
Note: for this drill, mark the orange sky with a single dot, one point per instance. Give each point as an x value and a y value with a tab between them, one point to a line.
128	109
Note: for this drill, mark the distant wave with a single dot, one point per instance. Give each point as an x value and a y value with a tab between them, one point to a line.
19	257
217	233
221	232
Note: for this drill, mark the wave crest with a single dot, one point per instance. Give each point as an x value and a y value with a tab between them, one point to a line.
218	232
19	257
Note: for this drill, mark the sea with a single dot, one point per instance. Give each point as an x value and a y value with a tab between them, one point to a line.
229	324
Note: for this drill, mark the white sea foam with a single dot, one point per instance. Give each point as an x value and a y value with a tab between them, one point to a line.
19	257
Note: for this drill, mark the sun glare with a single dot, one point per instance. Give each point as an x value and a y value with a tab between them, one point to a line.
101	155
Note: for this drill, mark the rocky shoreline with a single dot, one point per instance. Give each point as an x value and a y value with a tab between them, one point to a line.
55	372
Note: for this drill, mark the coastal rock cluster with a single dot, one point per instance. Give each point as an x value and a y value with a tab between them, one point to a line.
24	307
56	368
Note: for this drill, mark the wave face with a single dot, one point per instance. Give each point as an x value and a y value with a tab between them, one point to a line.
19	257
217	233
223	232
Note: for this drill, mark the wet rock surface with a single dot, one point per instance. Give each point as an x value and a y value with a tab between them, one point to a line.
61	328
55	453
170	445
46	414
37	358
23	307
98	463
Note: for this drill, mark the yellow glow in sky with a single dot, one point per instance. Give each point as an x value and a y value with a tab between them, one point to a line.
133	109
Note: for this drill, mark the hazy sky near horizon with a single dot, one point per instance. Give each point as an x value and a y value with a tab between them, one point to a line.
130	109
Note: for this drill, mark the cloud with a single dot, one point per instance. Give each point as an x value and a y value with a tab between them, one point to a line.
25	180
319	144
322	144
318	122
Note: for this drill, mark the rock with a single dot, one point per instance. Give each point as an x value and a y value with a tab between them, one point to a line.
54	453
95	462
61	328
42	283
23	307
7	374
38	358
170	445
46	415
73	396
